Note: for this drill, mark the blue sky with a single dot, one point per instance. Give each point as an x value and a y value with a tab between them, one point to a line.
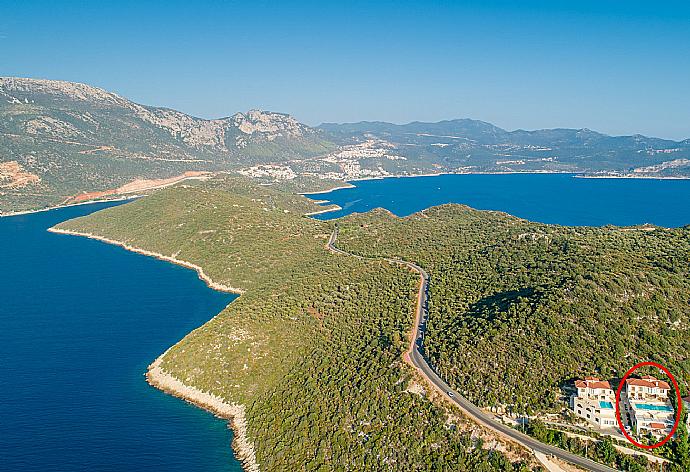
617	67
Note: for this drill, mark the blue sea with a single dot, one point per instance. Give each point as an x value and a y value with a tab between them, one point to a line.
79	322
548	198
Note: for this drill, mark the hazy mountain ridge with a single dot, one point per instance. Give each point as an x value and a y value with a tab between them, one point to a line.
58	139
483	147
488	133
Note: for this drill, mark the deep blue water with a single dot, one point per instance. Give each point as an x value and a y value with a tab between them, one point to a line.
547	198
79	322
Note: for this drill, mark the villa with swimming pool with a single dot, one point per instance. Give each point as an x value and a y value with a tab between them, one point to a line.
646	404
594	401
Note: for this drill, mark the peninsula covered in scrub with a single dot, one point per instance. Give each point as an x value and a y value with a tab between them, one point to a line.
308	361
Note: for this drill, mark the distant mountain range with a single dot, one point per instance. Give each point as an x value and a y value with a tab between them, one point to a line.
59	139
482	147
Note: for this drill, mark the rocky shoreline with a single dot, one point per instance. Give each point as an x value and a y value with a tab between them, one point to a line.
325	210
347	185
200	271
631	176
157	377
234	413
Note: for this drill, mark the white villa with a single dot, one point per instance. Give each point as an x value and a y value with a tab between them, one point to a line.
647	404
594	401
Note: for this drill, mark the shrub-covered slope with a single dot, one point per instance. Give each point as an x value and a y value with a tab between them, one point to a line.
519	309
313	348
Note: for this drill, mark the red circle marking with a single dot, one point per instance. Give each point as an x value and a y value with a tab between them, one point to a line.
618	401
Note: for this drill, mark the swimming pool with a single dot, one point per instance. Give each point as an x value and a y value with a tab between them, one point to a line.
607	405
646	406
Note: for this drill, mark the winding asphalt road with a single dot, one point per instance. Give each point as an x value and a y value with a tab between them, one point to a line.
416	357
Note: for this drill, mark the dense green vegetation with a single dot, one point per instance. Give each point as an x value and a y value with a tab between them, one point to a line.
519	309
602	448
313	349
240	233
601	451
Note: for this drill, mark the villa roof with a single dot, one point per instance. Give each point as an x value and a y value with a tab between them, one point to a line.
657	425
648	381
592	382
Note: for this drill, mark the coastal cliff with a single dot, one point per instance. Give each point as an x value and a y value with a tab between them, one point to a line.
234	413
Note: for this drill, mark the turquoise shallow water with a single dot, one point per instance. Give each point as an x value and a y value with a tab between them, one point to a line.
548	198
79	322
645	406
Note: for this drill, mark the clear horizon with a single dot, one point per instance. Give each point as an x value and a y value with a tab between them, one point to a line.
619	70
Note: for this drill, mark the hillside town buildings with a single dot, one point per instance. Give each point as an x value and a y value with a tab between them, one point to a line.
645	405
594	401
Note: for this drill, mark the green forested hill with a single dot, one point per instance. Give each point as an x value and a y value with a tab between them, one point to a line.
519	309
314	346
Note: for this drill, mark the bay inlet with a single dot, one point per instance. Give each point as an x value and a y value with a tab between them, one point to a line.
559	199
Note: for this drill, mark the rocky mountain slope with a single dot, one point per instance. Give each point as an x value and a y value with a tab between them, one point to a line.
73	137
